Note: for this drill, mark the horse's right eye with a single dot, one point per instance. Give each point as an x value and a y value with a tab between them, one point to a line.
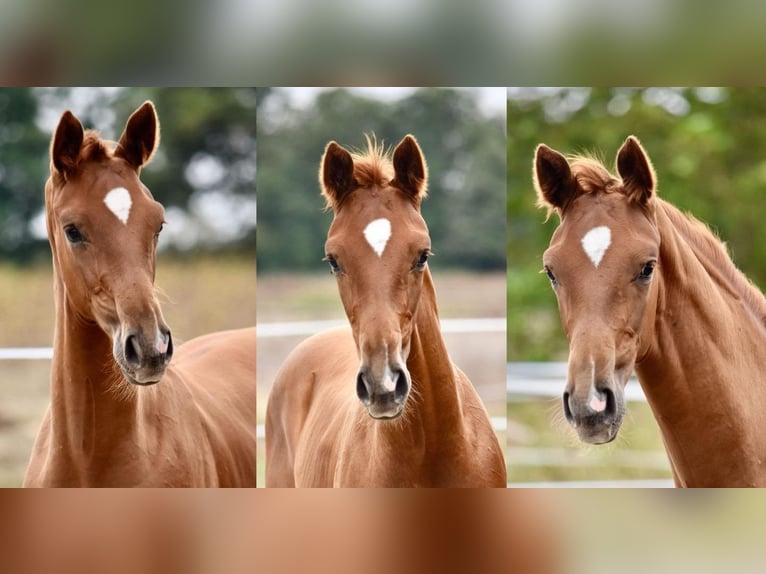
551	276
334	267
73	234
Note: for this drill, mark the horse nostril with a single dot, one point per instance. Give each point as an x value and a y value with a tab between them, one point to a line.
361	389
567	408
132	351
169	350
611	402
401	389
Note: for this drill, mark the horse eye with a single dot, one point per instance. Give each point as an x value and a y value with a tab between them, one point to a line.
551	276
647	270
422	260
162	226
73	234
334	267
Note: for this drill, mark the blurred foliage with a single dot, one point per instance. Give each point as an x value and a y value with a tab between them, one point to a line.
23	169
708	147
463	148
203	132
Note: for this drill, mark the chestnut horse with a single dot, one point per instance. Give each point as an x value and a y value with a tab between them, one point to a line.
641	285
106	424
380	404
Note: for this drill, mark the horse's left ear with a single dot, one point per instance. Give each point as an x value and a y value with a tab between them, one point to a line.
140	137
410	170
636	171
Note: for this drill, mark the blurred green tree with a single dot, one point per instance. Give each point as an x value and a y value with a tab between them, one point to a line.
204	171
23	148
464	150
708	147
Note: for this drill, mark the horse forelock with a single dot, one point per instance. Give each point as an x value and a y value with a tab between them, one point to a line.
592	176
373	166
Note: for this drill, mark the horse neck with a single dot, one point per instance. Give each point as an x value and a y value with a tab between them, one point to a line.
436	399
88	415
701	372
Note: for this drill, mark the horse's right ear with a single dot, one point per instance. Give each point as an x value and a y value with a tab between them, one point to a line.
336	174
553	179
66	144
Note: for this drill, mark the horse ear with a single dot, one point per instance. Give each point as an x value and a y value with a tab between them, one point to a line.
553	179
410	170
636	171
336	174
66	144
140	137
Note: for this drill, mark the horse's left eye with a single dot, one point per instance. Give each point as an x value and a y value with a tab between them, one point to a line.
73	234
647	270
422	260
162	226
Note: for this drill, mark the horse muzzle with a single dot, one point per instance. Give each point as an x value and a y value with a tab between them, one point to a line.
141	358
596	413
385	395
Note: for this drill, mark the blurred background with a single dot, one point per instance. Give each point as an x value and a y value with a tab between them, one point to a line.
204	175
483	532
462	135
708	147
357	42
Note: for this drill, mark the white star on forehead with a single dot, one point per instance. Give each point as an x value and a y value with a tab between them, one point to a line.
596	242
377	234
118	201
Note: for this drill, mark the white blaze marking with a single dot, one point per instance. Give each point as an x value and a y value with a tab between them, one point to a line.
596	242
377	234
118	201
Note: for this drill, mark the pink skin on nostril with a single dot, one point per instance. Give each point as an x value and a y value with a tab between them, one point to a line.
389	384
597	405
162	346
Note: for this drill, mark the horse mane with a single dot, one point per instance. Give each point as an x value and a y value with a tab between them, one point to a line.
373	166
714	257
592	176
93	147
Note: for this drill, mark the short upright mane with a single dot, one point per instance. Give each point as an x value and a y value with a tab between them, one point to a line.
373	166
592	176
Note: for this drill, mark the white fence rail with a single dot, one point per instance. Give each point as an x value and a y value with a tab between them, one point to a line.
547	380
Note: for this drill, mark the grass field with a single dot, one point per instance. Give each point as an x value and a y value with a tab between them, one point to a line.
201	296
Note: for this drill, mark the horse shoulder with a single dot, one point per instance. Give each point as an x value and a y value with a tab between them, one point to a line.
481	437
306	410
34	477
216	393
